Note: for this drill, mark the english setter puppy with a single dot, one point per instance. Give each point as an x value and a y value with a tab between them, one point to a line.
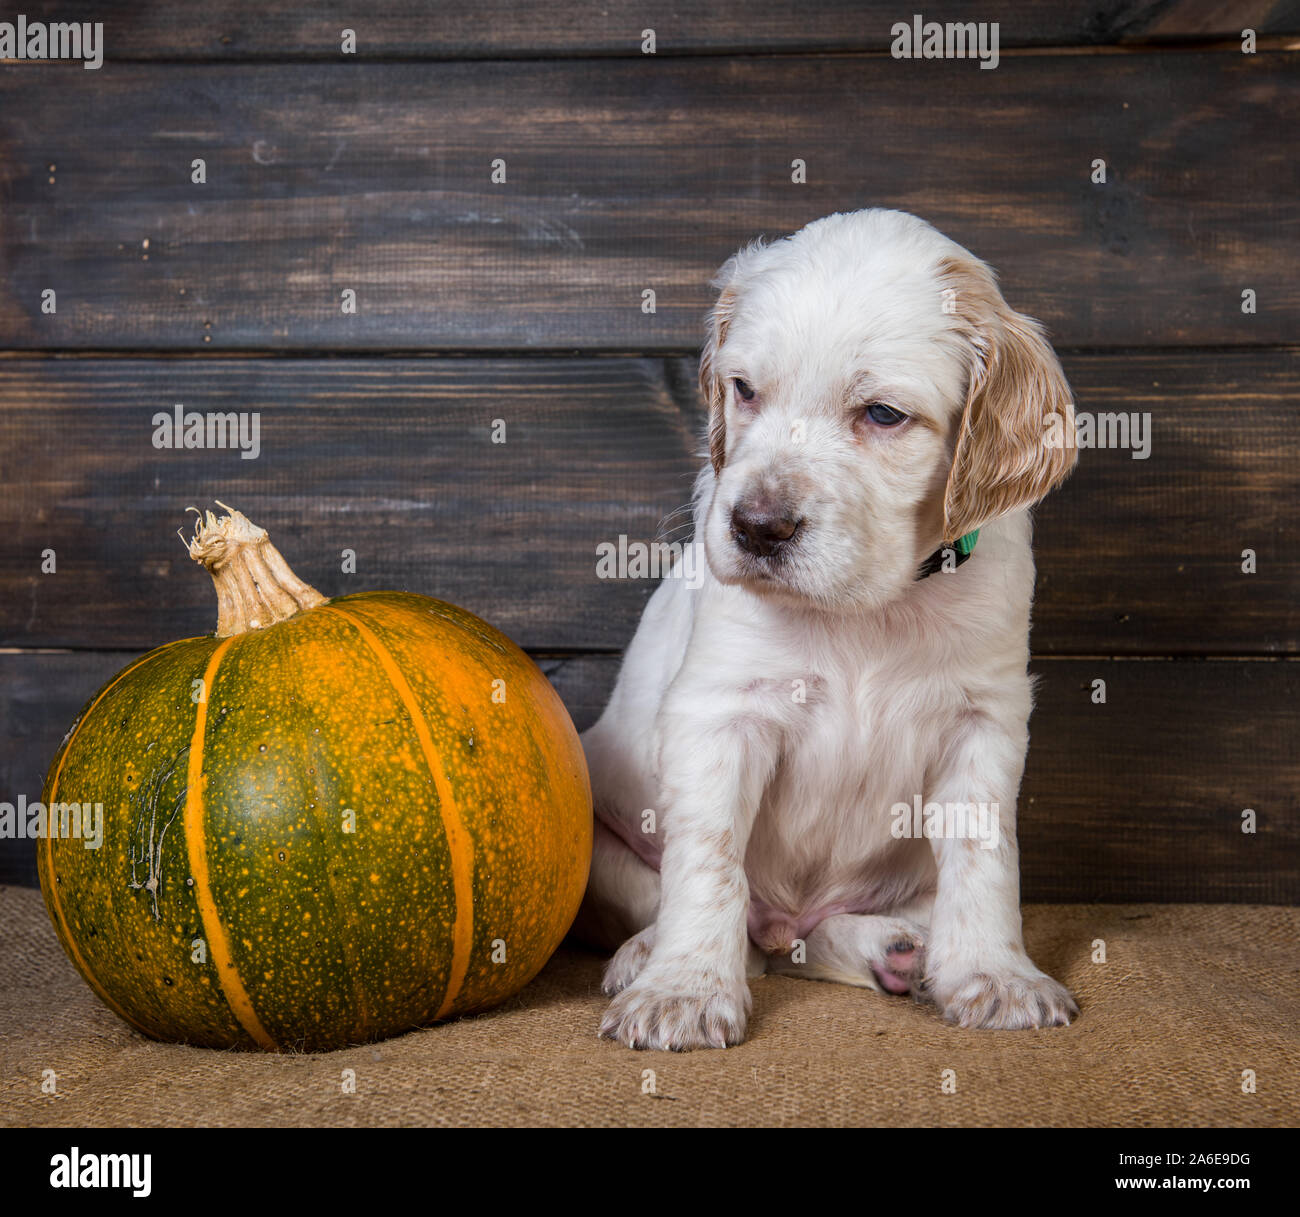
810	761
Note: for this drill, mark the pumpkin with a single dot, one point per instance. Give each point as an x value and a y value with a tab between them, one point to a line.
330	822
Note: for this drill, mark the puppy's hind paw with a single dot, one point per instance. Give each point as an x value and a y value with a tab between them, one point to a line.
628	962
902	970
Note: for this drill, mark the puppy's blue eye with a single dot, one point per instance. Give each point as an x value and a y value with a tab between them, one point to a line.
744	389
885	415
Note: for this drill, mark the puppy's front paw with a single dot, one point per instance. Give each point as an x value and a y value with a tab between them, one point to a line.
628	962
1008	1001
678	1013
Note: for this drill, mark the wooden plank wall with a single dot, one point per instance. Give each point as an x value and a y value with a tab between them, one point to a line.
522	301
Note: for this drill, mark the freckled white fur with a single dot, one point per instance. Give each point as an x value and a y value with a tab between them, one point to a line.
772	716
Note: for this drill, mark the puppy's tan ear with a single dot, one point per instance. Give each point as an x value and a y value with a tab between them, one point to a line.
712	386
1015	440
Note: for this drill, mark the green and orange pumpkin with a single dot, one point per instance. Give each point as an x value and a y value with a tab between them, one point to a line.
330	822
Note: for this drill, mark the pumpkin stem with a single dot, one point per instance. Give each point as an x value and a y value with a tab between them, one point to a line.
255	587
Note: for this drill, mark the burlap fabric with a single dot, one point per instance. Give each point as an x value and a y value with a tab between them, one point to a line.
1189	998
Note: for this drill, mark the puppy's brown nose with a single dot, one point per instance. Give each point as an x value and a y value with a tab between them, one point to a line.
761	526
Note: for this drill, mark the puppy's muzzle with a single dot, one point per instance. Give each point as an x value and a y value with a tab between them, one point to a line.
762	526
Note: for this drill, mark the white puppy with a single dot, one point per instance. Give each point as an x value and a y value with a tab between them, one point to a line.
810	761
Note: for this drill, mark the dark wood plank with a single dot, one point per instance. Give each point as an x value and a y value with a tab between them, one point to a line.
626	175
1142	798
1137	799
40	696
291	29
391	459
394	459
1146	556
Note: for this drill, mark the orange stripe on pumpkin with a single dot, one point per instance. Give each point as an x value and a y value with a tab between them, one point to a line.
48	842
458	838
196	841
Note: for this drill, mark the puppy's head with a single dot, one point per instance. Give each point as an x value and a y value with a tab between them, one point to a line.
871	397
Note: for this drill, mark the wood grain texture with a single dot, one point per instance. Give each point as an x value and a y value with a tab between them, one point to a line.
399	467
1146	556
1137	799
394	459
622	176
294	29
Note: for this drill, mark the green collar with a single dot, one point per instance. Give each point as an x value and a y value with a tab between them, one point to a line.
956	554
